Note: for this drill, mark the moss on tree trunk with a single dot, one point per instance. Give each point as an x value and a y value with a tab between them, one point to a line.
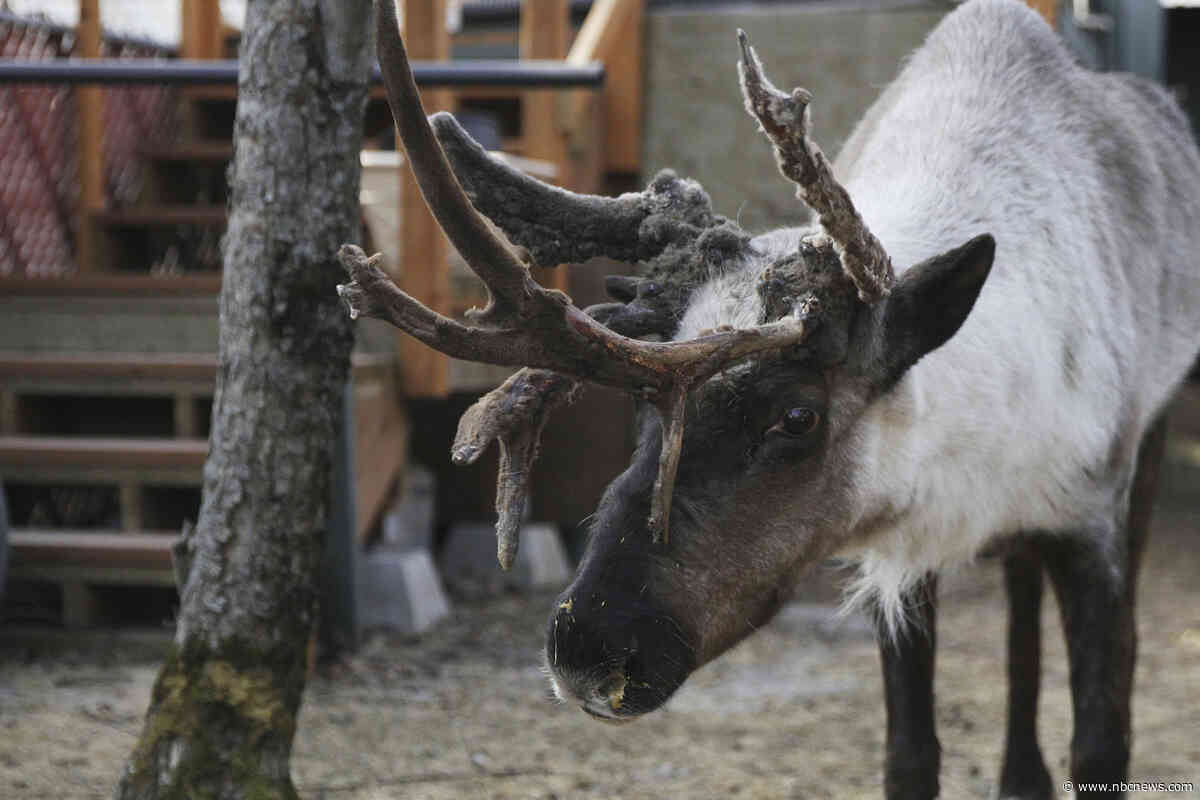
223	713
220	724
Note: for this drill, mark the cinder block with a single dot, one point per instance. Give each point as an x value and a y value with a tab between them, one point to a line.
408	525
541	559
400	590
469	564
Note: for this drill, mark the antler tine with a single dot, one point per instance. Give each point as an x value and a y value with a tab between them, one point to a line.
554	225
488	256
527	325
514	414
785	120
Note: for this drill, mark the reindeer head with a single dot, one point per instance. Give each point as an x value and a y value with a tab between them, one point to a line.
770	349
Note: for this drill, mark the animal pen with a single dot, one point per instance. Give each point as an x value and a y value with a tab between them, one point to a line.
113	153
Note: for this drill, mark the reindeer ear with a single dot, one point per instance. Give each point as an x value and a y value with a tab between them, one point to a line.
926	306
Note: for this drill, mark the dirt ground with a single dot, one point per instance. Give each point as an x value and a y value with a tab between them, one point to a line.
795	712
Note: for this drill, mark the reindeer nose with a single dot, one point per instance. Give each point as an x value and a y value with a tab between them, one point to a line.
614	661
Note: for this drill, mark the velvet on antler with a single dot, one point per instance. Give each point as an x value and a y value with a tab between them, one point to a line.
527	325
784	118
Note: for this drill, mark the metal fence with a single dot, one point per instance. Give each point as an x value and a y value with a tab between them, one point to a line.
39	171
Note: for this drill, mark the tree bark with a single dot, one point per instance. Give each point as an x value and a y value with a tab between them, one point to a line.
223	711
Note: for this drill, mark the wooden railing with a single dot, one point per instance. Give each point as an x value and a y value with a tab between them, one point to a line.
581	118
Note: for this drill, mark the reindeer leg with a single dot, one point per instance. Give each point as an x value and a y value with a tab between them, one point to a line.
1023	775
913	752
1096	598
1097	604
1098	623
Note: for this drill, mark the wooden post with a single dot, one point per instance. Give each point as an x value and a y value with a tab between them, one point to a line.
132	513
201	34
1048	9
9	412
612	33
425	270
184	408
544	34
623	95
90	250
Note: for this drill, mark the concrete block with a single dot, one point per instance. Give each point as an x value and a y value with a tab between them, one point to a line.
541	559
408	525
400	590
469	564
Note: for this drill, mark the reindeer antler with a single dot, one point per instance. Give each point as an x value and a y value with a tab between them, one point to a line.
528	325
785	120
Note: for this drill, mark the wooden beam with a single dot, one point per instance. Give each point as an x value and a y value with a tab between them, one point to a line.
612	34
622	107
380	449
186	423
1048	9
90	249
201	34
424	264
95	548
132	507
9	412
545	29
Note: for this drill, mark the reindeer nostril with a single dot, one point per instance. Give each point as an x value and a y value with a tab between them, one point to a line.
613	689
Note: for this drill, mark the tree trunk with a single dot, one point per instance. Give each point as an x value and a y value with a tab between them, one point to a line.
223	712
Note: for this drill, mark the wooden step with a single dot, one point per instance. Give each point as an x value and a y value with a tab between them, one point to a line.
83	562
207	152
161	216
91	548
141	373
65	459
133	373
205	284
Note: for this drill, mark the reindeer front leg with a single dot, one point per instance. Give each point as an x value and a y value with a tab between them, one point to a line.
1023	775
1096	589
1097	615
913	753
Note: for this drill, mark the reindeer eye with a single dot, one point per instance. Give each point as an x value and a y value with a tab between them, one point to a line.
799	421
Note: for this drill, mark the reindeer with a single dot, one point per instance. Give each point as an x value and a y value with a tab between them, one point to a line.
969	348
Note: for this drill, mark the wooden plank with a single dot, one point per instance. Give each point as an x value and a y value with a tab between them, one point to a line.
622	95
425	270
380	449
587	169
200	36
132	510
91	246
183	367
544	31
23	454
135	550
205	284
160	216
1047	8
191	369
9	412
611	32
183	405
96	576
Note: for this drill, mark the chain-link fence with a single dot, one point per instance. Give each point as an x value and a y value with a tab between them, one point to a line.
39	143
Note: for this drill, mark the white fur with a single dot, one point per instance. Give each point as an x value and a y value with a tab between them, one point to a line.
1088	184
